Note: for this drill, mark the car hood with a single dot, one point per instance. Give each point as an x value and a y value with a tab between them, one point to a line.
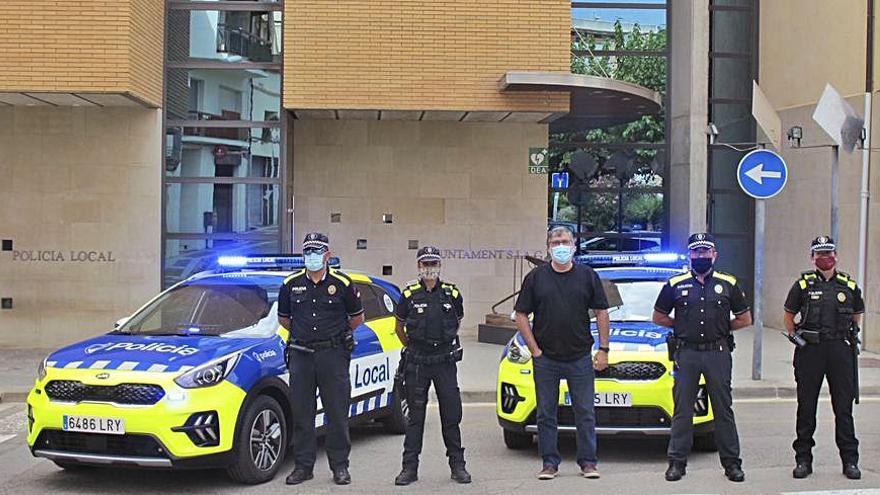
635	336
147	353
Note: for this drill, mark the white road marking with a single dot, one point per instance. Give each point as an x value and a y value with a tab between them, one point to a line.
793	400
4	438
865	491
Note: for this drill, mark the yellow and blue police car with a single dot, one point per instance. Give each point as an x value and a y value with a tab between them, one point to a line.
633	396
197	377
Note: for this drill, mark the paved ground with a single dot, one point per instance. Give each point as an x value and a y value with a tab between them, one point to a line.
630	466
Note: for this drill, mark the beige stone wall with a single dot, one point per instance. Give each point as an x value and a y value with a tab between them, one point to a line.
86	46
460	186
86	180
807	43
803	210
422	54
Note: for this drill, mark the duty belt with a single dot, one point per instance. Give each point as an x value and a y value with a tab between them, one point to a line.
320	345
446	357
718	345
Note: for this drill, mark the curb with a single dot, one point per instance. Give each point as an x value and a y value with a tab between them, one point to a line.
14	396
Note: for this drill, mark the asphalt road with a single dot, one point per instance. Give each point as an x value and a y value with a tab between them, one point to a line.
627	466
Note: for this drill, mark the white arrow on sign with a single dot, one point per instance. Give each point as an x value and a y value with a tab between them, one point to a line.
758	174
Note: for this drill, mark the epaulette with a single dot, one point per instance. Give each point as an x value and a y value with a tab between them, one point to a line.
451	288
294	275
679	278
846	280
340	276
730	279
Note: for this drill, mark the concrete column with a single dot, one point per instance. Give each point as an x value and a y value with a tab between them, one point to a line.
689	110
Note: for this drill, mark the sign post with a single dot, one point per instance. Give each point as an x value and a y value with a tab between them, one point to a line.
761	174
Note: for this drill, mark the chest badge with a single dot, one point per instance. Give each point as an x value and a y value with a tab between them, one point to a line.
420	310
718	289
331	290
841	297
684	293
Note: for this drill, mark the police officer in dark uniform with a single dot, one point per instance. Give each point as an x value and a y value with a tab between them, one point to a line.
829	303
703	300
321	307
428	317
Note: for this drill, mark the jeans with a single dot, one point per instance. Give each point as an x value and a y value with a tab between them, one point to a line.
581	387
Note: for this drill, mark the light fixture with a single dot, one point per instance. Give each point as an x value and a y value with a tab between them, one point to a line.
795	134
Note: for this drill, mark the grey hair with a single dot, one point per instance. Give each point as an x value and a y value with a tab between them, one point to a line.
559	230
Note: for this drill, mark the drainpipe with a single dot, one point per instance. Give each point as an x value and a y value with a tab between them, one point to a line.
865	192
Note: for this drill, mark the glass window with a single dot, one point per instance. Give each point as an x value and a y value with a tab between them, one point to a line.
223	152
246	210
223	94
372	307
184	257
638	299
224	36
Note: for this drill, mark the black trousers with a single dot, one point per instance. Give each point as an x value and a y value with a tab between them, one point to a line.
716	366
813	363
419	377
328	371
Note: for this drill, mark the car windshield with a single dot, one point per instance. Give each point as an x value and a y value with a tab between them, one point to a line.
230	305
638	297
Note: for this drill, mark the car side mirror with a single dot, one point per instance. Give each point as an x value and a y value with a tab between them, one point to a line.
121	321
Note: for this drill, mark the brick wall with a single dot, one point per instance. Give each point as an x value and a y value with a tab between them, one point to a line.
421	54
82	46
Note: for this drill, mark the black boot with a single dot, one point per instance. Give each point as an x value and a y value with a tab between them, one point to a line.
734	473
341	476
802	470
298	476
460	474
676	471
407	475
851	471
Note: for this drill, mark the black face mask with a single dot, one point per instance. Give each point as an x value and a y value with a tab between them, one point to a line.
701	265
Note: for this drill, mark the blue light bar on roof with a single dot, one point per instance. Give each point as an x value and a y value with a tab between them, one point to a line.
289	261
671	260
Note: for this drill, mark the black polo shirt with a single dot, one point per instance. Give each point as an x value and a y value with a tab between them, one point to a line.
702	311
318	311
823	293
561	302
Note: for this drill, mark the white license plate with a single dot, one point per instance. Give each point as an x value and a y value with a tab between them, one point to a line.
608	399
92	424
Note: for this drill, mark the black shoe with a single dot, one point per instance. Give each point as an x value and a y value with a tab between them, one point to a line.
734	473
802	470
851	471
460	474
298	476
675	471
406	476
341	476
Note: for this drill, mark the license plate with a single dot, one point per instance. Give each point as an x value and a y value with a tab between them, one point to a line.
92	424
607	399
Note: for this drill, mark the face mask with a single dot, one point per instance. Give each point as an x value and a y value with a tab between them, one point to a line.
561	254
825	262
429	272
314	262
701	265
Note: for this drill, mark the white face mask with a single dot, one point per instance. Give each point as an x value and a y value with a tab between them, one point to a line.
429	272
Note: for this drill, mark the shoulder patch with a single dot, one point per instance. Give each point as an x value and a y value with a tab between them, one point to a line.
802	283
679	278
341	276
726	277
808	275
412	282
294	275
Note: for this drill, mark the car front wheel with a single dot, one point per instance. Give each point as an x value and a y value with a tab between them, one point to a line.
260	442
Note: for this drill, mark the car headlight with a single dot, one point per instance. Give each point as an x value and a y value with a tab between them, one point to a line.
210	373
41	370
517	353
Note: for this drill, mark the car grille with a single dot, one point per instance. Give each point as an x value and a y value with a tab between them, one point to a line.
620	417
101	444
633	370
124	393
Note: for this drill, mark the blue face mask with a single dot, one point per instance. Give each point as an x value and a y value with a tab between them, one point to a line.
314	261
561	254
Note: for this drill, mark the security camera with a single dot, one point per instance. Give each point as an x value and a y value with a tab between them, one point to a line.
712	132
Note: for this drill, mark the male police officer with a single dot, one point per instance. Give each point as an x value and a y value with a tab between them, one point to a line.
829	303
321	307
430	311
703	300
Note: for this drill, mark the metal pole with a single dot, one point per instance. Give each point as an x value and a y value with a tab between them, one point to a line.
865	194
835	201
555	205
757	313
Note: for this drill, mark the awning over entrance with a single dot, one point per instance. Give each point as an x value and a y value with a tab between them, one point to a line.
426	115
33	99
595	101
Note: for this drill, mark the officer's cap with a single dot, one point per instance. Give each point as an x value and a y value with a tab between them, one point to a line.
823	243
701	240
428	253
316	240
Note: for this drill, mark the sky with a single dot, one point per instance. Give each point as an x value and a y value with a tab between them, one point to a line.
643	17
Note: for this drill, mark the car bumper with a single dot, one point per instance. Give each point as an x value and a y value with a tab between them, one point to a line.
158	435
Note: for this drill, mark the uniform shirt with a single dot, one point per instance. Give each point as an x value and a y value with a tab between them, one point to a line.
823	293
433	312
702	311
561	302
318	311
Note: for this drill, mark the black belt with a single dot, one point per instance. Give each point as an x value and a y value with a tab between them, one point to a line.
431	346
320	345
718	345
446	357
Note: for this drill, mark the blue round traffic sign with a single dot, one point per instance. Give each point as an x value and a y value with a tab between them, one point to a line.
762	174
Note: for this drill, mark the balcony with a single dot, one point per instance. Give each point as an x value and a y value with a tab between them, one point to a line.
233	40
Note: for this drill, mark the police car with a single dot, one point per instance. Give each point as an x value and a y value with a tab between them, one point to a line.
197	377
634	394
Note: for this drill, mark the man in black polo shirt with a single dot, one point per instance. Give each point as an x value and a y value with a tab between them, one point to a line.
321	307
703	300
560	294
